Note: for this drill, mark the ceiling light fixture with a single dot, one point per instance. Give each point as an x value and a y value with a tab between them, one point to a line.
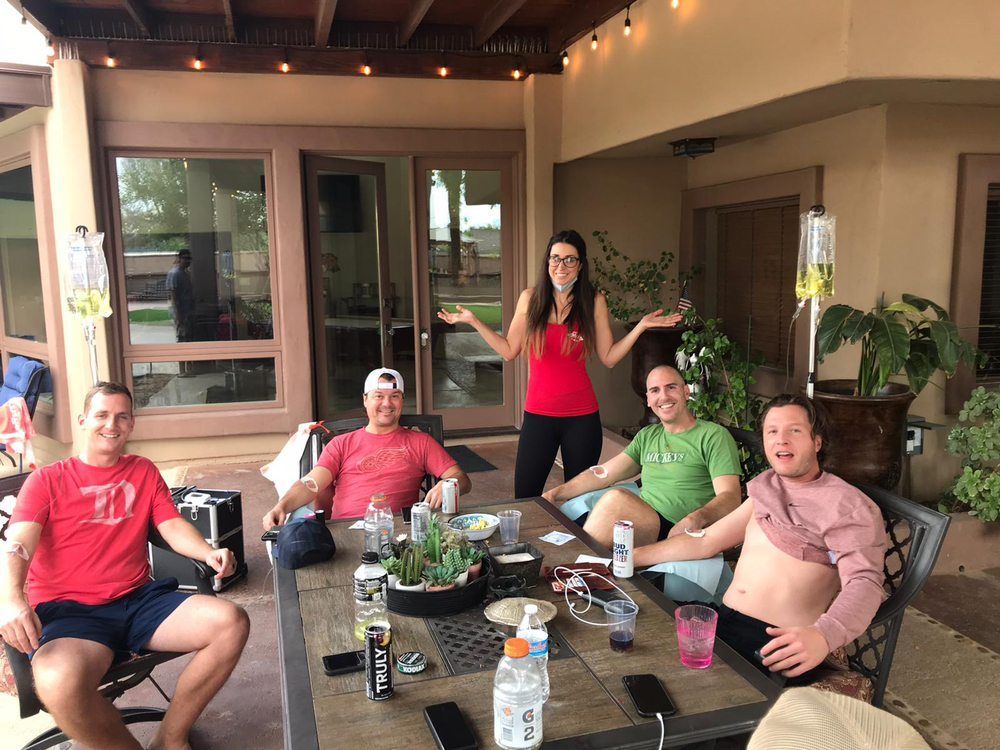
111	61
628	21
285	67
443	68
518	72
593	39
565	58
50	50
198	62
675	4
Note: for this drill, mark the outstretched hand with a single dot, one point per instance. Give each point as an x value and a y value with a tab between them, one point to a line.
794	651
463	315
657	319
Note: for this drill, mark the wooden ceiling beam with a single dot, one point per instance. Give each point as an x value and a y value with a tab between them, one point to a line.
493	19
581	20
140	15
229	58
417	12
325	11
40	14
227	9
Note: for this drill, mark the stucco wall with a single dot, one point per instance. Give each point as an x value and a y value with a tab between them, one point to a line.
638	202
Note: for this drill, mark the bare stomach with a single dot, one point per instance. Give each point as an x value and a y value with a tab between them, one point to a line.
777	588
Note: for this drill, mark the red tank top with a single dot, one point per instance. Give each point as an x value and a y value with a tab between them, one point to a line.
558	384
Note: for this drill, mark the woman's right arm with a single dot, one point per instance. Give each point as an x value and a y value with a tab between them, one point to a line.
508	346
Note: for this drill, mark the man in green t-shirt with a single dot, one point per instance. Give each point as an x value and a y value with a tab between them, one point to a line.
690	471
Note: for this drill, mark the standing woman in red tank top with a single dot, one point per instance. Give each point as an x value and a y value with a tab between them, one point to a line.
561	322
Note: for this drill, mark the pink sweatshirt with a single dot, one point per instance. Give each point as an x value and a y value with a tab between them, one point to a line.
830	522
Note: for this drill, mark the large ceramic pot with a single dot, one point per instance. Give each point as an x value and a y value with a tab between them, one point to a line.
868	435
655	347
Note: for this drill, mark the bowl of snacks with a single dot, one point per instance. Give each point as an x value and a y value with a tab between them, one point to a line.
476	526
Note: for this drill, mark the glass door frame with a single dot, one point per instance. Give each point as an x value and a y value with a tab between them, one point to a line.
313	165
474	417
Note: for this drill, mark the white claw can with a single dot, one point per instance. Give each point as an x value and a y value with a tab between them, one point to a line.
621	547
449	496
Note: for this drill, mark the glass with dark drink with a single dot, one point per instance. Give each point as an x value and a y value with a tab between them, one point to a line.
620	615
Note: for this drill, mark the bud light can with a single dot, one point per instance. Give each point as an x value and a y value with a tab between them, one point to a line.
621	548
378	661
449	496
420	522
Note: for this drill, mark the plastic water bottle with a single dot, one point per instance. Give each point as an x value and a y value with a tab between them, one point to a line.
379	525
517	699
533	630
371	582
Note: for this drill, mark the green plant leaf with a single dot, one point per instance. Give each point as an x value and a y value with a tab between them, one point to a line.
905	308
922	304
892	346
857	325
919	370
944	333
830	333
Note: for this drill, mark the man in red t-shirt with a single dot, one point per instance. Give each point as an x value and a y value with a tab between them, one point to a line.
78	538
382	457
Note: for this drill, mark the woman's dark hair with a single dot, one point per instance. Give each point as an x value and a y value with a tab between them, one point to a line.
581	299
819	418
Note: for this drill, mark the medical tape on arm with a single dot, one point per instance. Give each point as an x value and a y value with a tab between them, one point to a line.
310	484
599	471
11	547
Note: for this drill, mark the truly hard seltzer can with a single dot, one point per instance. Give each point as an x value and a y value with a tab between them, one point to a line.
378	661
449	496
621	549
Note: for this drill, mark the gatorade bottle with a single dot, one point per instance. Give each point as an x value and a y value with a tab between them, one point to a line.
533	630
371	582
517	699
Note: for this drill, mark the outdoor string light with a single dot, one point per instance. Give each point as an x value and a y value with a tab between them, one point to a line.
628	21
366	69
198	62
675	4
443	69
518	73
50	50
285	67
593	39
565	58
111	61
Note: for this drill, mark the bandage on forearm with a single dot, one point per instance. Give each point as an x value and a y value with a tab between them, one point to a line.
11	547
310	484
599	471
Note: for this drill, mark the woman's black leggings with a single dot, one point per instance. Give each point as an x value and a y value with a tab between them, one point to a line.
579	438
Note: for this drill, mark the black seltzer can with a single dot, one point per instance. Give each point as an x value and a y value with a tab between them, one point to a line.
378	661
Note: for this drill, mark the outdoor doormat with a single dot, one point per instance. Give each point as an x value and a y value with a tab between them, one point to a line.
468	459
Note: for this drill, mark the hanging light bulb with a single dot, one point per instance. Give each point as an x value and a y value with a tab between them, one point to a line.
593	39
50	50
443	71
517	74
366	69
198	62
628	22
565	58
285	67
675	4
112	61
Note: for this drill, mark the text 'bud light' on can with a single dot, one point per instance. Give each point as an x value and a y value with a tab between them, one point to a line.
420	522
378	661
621	548
449	496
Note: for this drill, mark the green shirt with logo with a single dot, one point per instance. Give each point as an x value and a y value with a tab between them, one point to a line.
678	468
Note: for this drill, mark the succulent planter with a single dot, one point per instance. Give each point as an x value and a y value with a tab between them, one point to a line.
462	580
393	580
415	587
475	570
431	589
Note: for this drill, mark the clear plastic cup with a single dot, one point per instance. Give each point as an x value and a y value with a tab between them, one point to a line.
696	635
510	525
620	614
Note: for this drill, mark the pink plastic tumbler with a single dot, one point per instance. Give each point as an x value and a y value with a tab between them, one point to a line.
696	635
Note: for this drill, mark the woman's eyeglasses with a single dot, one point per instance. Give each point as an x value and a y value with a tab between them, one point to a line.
570	261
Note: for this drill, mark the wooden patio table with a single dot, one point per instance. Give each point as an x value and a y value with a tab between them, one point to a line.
588	706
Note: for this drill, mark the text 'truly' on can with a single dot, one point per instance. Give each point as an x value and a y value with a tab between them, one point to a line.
621	549
378	661
449	496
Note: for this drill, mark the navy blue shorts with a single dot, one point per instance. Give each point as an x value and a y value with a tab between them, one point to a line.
124	625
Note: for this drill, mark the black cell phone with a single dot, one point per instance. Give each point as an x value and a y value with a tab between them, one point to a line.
270	535
345	663
407	514
648	695
449	728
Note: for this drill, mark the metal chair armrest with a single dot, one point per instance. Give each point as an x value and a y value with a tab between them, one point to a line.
204	571
20	665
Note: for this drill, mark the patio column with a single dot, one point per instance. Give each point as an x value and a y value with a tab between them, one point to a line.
70	157
543	136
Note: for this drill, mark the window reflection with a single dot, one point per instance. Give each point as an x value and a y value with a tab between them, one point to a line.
20	270
196	382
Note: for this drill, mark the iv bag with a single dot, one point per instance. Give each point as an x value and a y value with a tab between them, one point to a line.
817	242
85	282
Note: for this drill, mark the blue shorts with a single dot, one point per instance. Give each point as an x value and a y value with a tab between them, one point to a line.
124	625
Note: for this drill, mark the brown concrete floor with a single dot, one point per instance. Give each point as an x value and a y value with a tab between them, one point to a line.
247	712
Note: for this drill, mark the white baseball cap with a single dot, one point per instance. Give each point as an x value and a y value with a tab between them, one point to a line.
372	382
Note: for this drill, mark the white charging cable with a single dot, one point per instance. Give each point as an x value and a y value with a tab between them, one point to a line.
578	585
662	731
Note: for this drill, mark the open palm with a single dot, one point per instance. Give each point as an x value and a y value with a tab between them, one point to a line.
657	319
462	316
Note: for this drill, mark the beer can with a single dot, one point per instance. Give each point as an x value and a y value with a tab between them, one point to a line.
378	661
420	522
621	548
449	496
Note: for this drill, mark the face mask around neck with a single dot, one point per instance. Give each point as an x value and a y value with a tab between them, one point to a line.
562	287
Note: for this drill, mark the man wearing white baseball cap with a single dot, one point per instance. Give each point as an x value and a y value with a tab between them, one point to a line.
381	457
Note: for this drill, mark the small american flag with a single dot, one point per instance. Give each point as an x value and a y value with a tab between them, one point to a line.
684	303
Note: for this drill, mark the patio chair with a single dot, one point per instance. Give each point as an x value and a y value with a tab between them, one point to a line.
120	678
323	432
915	536
24	377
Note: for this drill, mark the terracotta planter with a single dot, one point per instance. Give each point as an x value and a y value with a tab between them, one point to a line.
868	435
449	587
475	570
655	347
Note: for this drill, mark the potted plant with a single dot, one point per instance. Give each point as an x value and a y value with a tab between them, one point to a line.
914	337
440	578
474	556
411	569
455	561
392	565
634	288
976	439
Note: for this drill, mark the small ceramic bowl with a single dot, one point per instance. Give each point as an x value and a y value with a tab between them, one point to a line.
464	522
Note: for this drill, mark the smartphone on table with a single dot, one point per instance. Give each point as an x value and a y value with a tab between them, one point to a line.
648	695
345	663
449	728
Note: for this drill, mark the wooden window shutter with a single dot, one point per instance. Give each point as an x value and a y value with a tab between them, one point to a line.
989	305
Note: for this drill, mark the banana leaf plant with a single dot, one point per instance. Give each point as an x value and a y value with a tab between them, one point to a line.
914	336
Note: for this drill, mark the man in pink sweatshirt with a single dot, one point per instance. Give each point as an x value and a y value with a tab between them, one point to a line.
810	574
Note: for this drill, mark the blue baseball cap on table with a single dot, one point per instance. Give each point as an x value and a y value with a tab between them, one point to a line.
303	542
